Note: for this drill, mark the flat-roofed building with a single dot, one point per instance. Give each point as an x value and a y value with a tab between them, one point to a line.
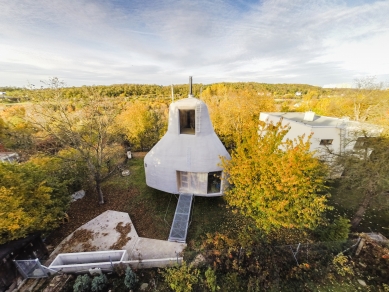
334	134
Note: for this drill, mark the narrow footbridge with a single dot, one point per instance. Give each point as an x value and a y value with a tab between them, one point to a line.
181	218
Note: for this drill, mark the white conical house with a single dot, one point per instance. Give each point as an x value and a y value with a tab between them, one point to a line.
187	158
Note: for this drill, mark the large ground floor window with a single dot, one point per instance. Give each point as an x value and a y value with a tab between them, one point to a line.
201	183
214	182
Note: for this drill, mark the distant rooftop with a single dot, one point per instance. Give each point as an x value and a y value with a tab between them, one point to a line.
318	121
313	120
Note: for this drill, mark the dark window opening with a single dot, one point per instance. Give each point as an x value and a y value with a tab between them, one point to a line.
326	141
214	182
187	121
361	143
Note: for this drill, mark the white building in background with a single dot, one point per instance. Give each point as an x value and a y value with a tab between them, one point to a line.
337	135
187	158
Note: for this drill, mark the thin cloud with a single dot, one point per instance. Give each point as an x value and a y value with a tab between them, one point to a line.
105	42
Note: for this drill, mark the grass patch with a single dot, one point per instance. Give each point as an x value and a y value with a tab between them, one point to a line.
149	208
207	216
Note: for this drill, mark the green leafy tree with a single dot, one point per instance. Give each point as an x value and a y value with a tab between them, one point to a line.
32	199
275	182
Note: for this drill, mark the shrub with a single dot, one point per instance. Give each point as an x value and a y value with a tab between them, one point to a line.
130	279
232	282
82	284
210	278
181	278
99	283
342	266
336	231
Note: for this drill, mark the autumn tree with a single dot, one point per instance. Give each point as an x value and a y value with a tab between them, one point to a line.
367	102
33	198
233	110
2	130
275	182
86	135
17	133
142	124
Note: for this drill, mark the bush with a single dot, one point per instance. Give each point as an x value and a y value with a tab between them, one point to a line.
182	278
82	284
336	231
232	282
342	265
131	279
210	277
99	283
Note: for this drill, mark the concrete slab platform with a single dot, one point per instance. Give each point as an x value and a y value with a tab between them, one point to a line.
109	231
147	248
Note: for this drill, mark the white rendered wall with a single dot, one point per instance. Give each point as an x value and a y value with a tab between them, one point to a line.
318	133
200	152
83	261
344	134
105	260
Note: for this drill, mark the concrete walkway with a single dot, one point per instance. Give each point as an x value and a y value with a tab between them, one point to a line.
109	231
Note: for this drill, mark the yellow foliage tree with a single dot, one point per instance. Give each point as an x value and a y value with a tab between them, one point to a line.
31	200
233	110
17	133
141	124
275	182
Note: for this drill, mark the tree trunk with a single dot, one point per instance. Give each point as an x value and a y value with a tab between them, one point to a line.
361	211
98	189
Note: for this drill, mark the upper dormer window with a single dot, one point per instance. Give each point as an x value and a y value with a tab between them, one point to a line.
187	121
326	141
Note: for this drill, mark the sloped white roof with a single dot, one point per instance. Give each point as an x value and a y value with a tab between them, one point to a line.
198	152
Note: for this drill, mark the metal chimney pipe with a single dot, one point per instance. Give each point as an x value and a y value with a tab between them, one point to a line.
190	86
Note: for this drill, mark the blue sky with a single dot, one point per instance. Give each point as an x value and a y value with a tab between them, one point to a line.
85	42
